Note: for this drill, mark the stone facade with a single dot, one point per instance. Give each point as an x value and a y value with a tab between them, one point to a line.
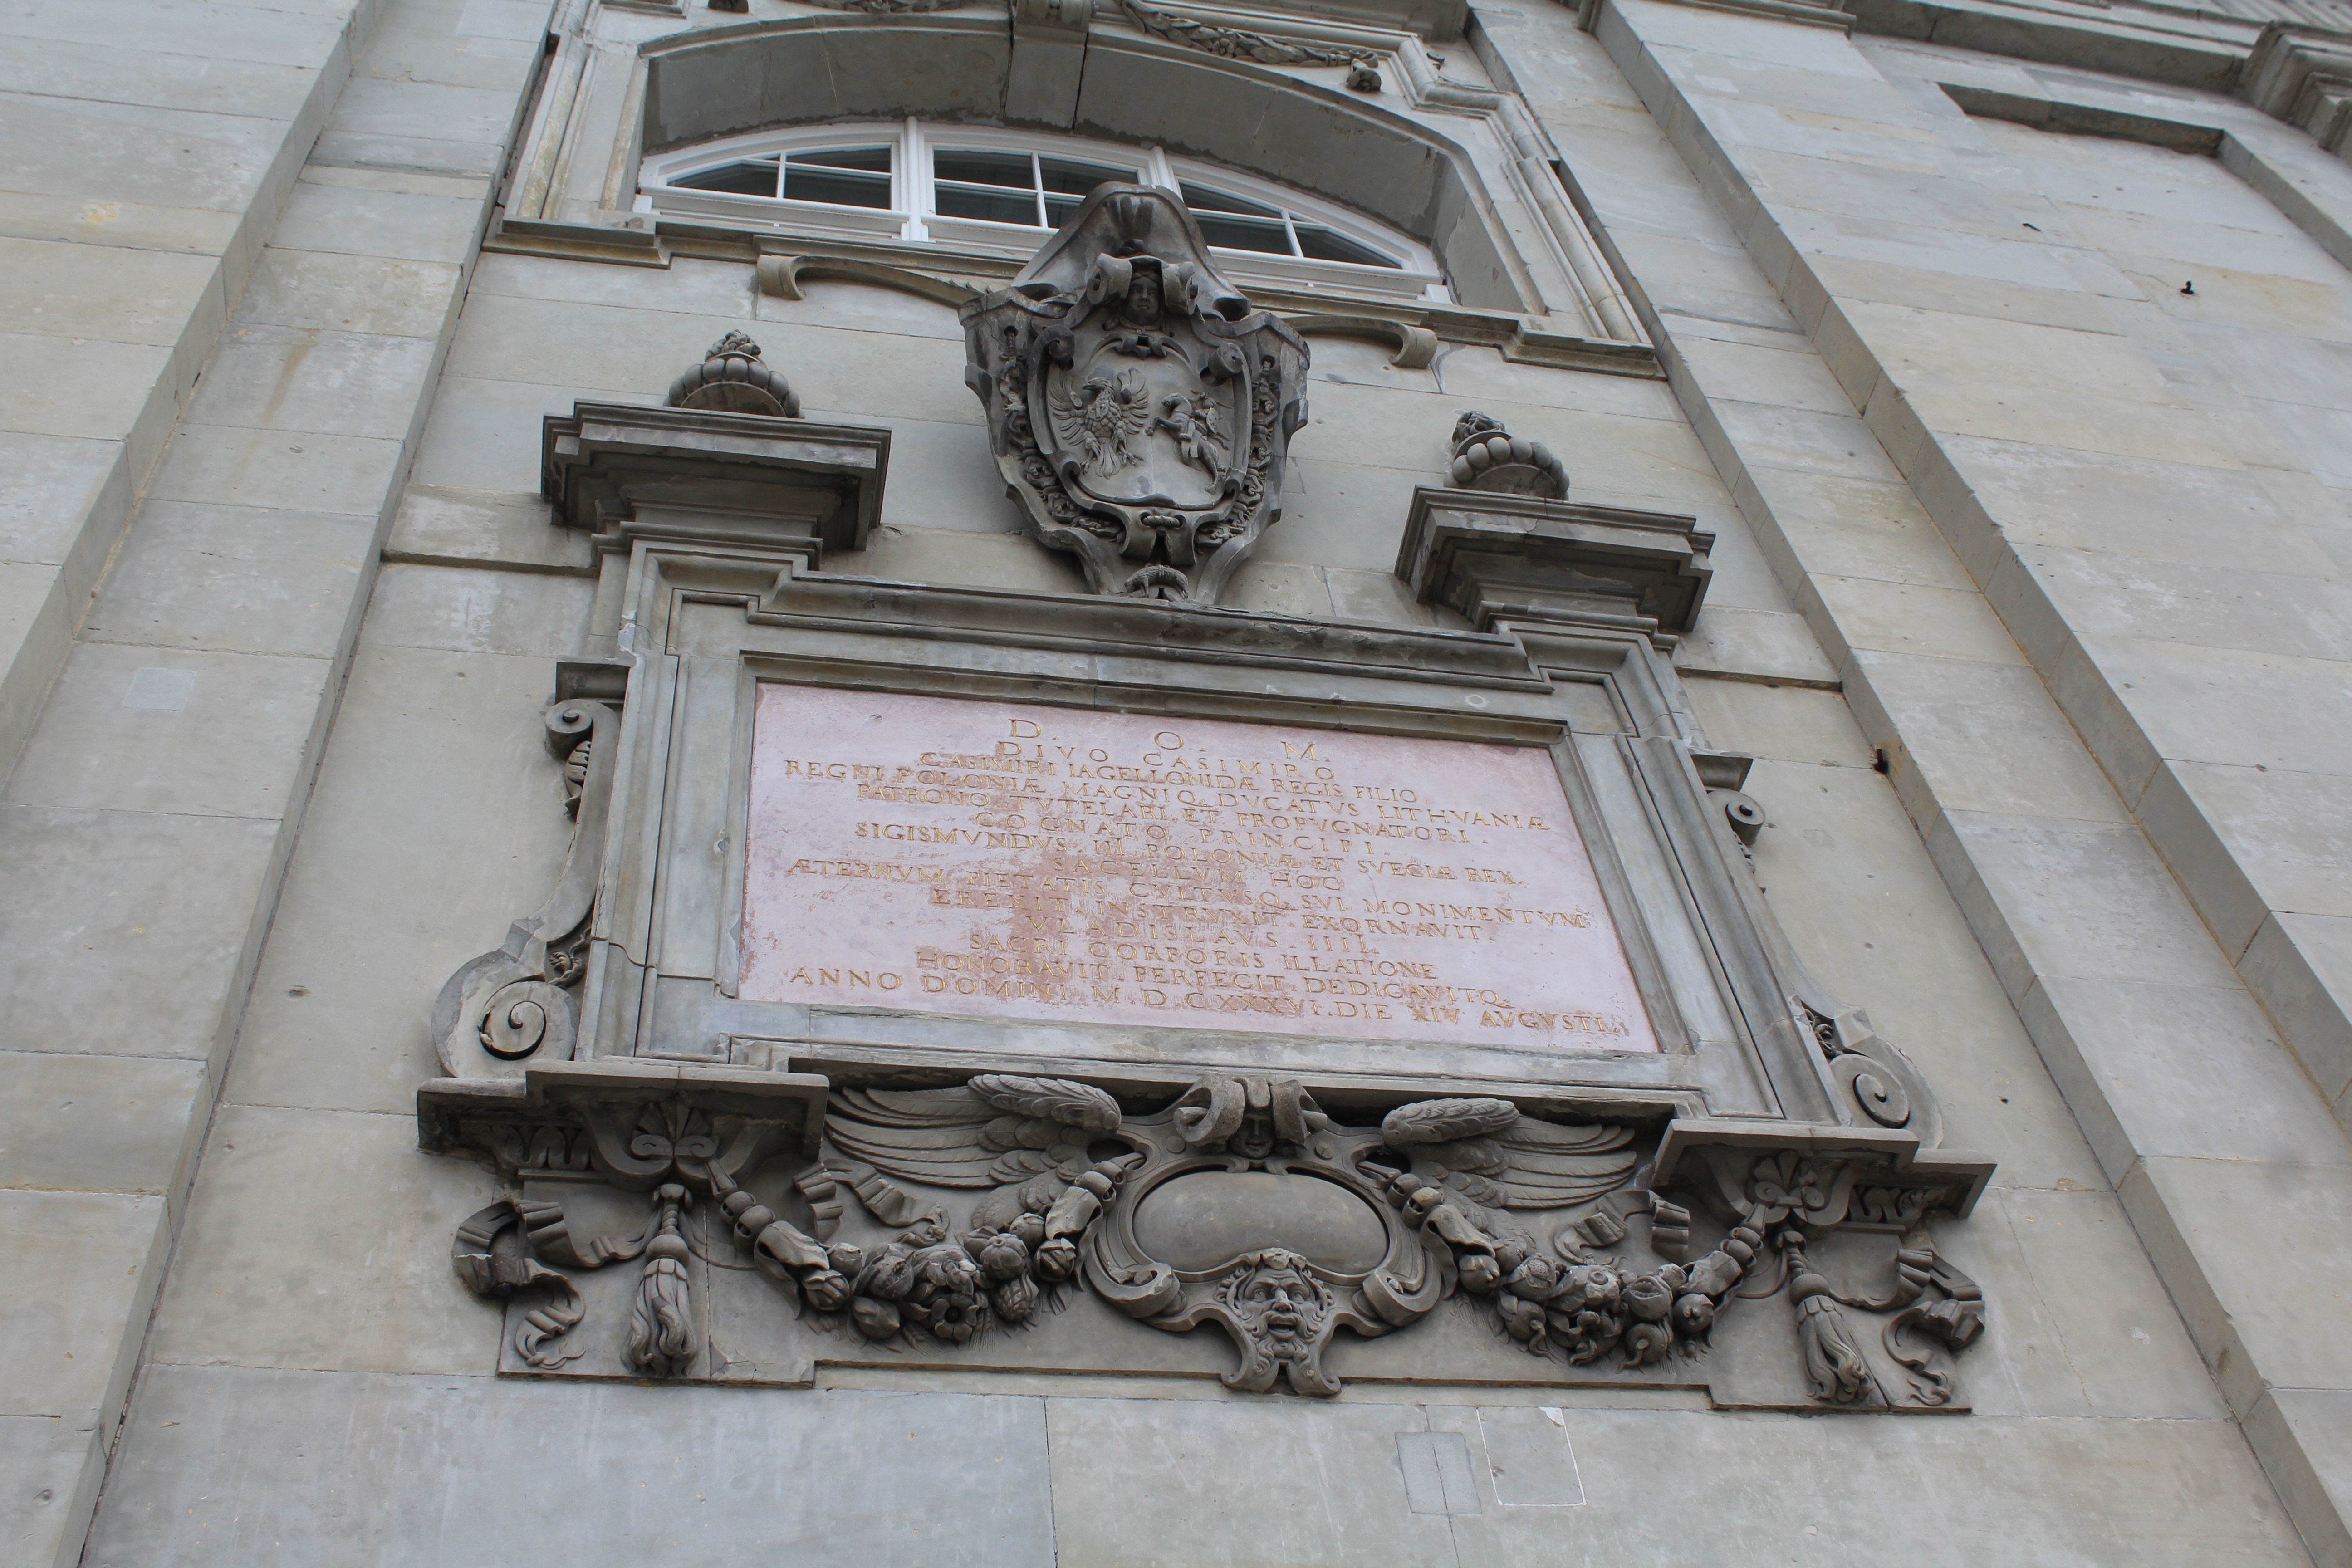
1888	461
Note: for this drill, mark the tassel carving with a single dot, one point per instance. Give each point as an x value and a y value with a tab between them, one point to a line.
662	1340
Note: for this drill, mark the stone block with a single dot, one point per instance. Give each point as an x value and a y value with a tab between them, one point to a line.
113	293
477	611
390	107
91	391
121	71
1343	514
714	291
1790	723
1913	618
2054	302
444	527
54	1468
100	1125
128	930
193	28
1378	597
324	292
2226	705
899	1473
61	492
195	230
849	375
2245	841
36	611
320	1239
1831	444
419	54
1848	528
1273	588
2057	898
425	154
2154	1069
2116	1331
297	378
294	470
2259	608
2302	1435
485	434
77	1270
1791	377
838	302
2301	967
2256	1259
237	580
186	732
90	149
1009	561
1756	645
1970	736
431	747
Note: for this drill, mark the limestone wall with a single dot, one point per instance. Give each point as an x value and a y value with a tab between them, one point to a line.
338	608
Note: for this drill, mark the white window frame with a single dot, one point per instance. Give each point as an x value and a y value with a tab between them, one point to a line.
912	218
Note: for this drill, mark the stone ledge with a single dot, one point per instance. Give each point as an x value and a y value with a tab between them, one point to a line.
1494	556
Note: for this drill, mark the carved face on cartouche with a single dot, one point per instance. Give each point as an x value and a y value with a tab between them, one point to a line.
1144	297
1279	1304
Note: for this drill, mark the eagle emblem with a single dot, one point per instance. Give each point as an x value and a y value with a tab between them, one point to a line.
1108	413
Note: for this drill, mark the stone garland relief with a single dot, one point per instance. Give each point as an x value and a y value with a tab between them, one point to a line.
1138	405
1238	1205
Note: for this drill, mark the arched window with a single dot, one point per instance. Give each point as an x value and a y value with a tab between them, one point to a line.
999	192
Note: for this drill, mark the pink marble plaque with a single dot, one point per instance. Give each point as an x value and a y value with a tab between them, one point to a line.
1051	863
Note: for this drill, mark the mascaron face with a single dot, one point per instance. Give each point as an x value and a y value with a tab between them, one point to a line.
1281	1306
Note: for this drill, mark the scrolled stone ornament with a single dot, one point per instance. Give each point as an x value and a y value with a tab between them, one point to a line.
1488	457
1138	404
732	380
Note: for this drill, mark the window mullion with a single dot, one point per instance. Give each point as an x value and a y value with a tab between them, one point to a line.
1037	189
913	157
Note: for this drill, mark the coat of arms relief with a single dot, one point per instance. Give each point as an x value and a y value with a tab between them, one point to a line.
1138	404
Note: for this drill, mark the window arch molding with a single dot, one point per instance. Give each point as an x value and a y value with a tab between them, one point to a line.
1002	189
1423	171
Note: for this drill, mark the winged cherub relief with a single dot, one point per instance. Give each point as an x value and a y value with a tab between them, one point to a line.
1139	406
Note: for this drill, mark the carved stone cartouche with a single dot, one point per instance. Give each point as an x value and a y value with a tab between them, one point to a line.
1139	408
1488	457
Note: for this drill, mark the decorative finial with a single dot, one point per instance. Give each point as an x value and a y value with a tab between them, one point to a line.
1488	457
732	380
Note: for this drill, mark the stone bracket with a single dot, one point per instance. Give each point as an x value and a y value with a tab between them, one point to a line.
694	476
1497	557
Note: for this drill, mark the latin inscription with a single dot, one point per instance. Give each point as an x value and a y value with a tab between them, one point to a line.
963	857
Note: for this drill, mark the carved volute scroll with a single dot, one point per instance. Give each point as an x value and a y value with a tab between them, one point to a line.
1138	405
519	1002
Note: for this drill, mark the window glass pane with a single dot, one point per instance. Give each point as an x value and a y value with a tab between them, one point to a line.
1060	209
756	178
1069	175
1244	234
996	207
1200	199
875	160
841	188
1008	169
1325	245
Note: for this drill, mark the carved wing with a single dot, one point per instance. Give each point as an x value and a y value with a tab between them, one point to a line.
1493	1155
997	1128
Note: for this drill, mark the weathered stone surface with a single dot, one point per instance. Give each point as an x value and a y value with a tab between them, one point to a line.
318	1447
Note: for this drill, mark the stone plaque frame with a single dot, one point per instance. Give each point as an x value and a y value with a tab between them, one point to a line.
664	953
601	1061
